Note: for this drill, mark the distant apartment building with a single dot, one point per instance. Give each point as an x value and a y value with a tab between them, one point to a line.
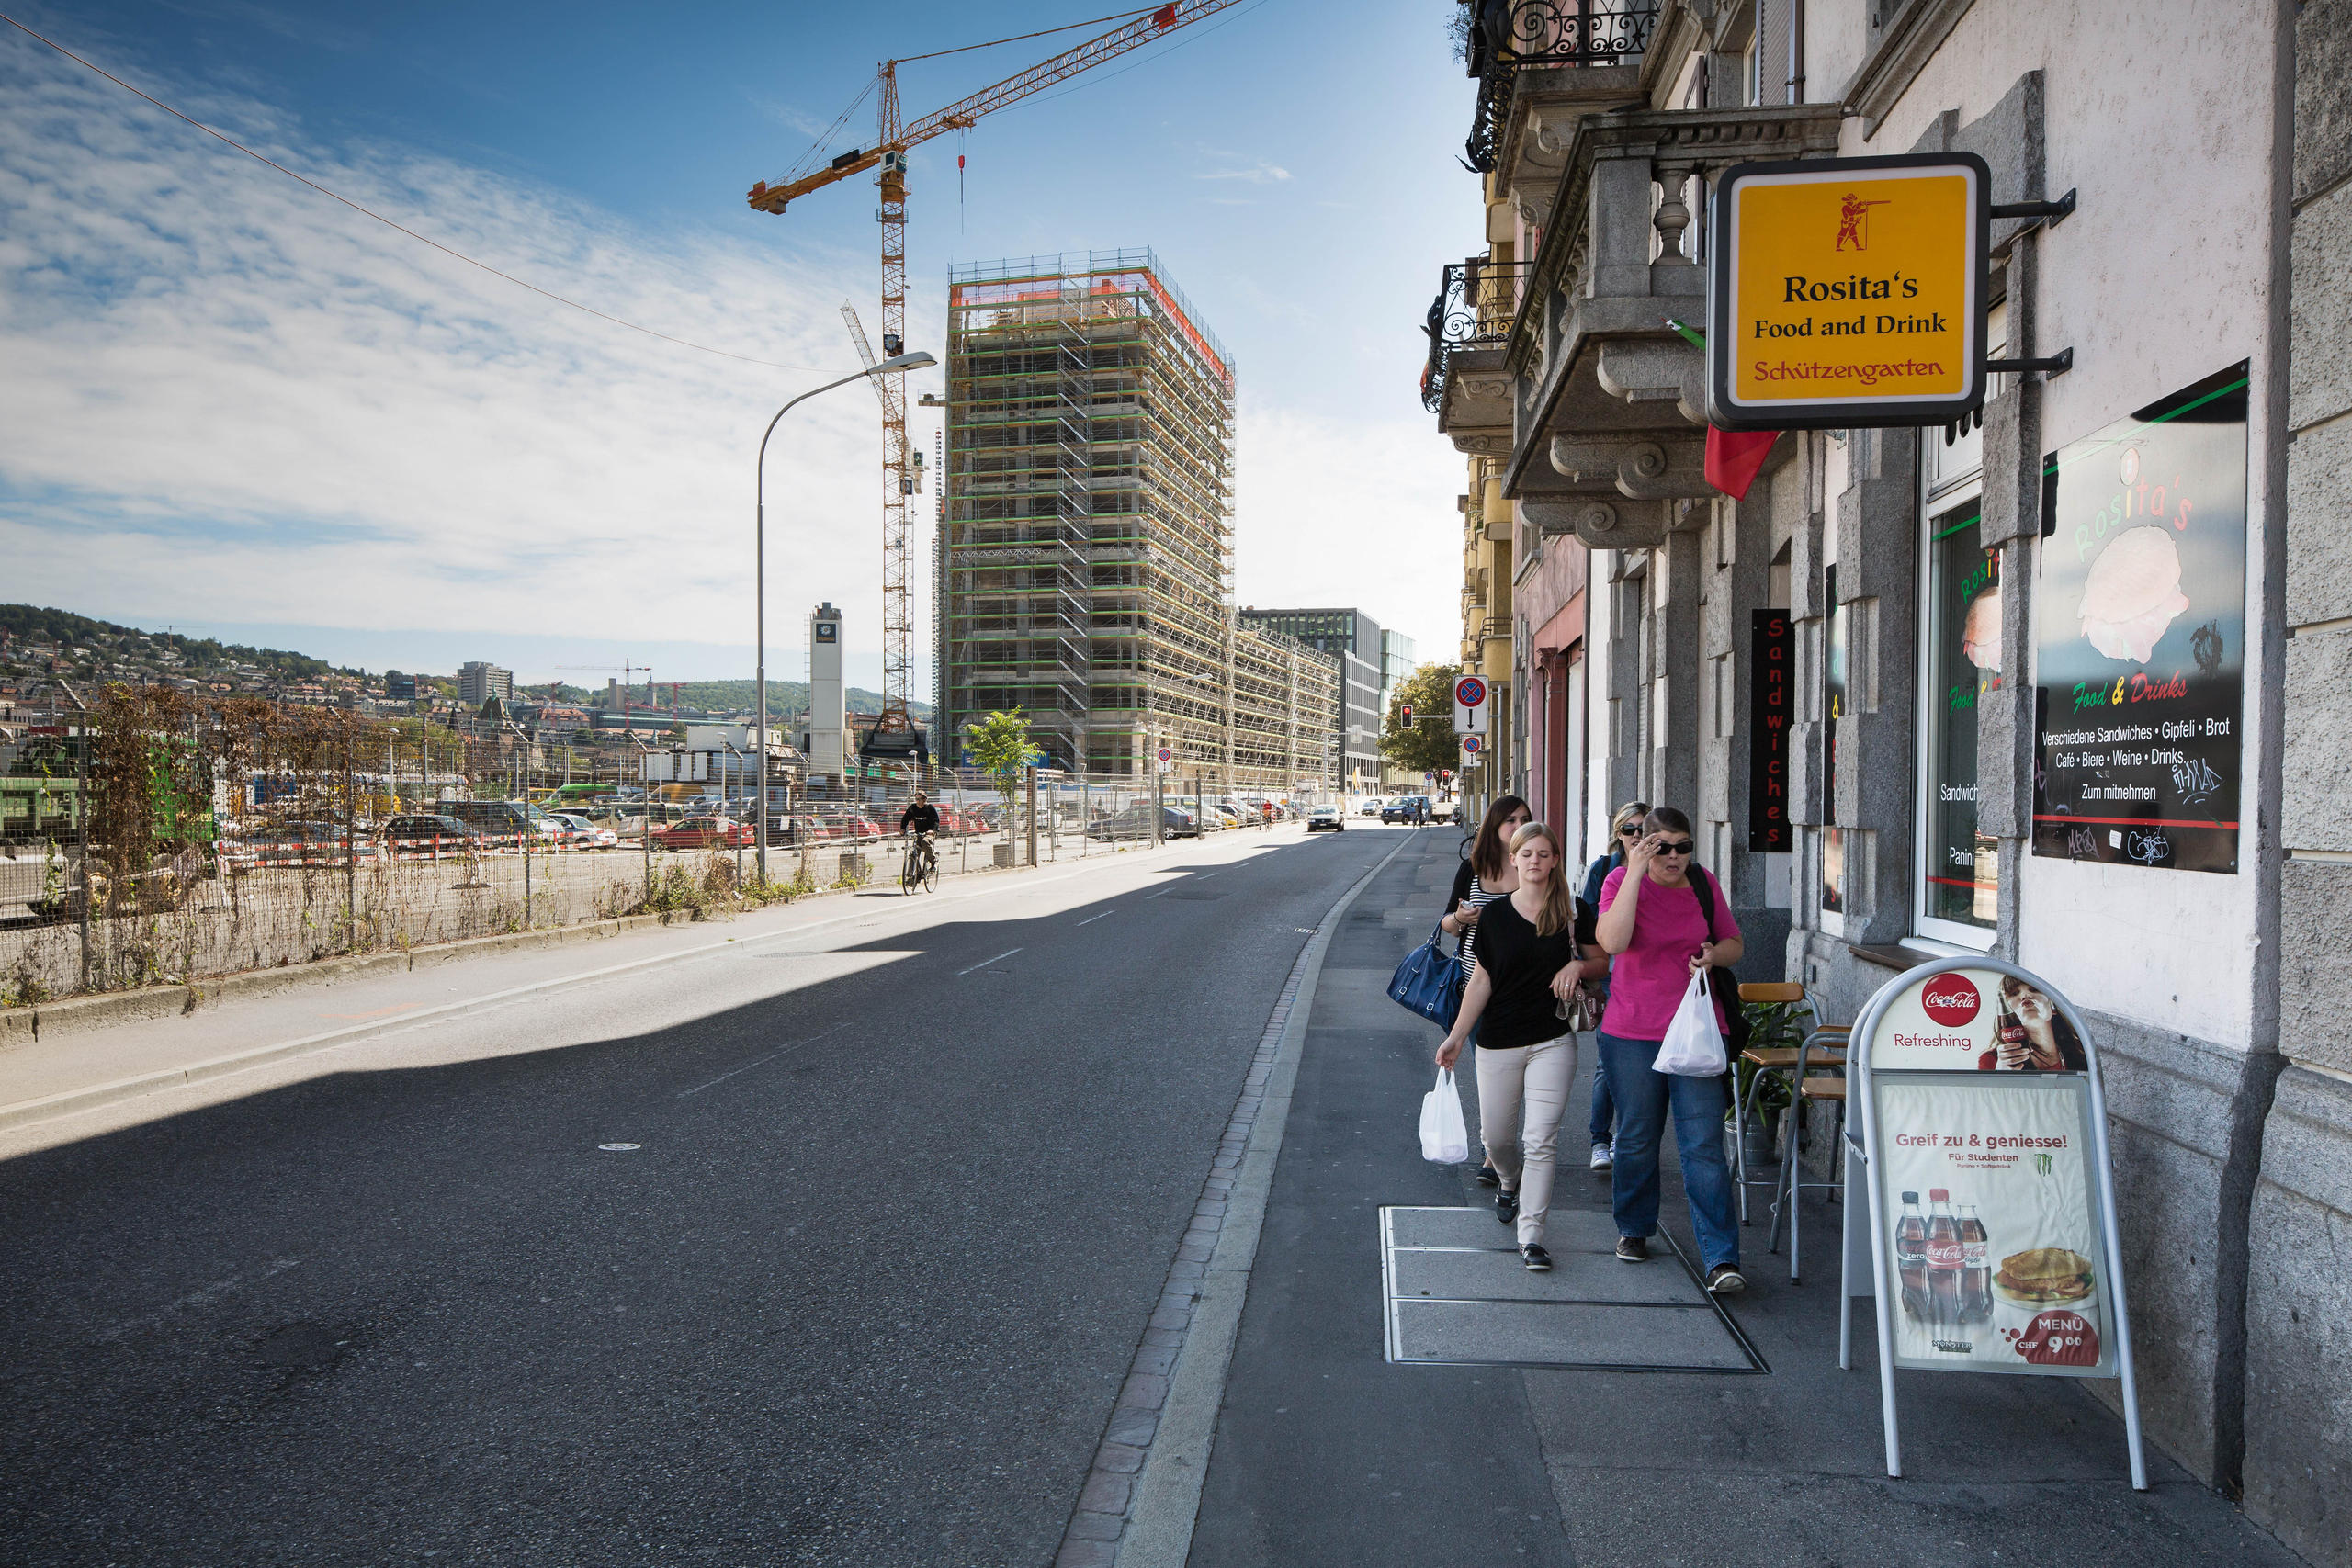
1399	657
399	688
1356	640
479	681
1085	569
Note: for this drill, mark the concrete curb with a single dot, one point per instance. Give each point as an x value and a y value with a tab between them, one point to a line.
1143	1490
163	1002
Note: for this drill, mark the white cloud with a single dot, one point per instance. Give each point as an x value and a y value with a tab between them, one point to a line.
1351	512
228	397
1257	173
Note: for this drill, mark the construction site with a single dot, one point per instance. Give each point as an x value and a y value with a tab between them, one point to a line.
1084	569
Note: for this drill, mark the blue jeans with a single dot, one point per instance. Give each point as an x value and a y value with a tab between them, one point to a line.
1604	1110
1643	1094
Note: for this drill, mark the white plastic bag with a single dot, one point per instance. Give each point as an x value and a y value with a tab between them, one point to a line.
1693	1047
1444	1138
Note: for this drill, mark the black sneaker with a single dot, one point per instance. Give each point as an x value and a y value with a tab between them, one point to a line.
1726	1279
1538	1261
1506	1206
1633	1250
1487	1177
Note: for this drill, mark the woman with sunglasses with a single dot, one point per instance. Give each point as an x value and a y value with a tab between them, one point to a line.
1654	924
1529	959
1624	826
1484	876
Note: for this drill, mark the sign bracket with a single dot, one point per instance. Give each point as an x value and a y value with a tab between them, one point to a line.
2051	213
2057	363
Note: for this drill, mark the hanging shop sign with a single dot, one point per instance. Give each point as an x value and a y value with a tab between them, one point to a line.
1771	661
2139	636
1991	1200
1845	292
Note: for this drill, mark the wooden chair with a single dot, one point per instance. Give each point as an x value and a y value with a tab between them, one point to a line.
1781	1061
1815	1055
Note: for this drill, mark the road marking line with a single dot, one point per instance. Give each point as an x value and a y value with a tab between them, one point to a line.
985	961
1104	916
769	1057
194	1298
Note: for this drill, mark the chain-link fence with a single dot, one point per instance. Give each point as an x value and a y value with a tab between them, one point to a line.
154	837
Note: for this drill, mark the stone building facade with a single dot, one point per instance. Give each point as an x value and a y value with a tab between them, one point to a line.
1930	587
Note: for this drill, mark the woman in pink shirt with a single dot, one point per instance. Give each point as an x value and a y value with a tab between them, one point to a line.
1655	914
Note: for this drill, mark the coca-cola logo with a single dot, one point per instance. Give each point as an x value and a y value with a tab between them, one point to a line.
1950	1000
1945	1253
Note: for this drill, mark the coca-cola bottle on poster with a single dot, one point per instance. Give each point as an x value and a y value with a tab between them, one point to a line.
1947	1257
1976	1267
1911	1256
2012	1052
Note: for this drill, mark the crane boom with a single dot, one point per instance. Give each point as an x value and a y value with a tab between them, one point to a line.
959	116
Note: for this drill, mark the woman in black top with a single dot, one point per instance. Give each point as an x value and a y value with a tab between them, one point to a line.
1531	952
1484	876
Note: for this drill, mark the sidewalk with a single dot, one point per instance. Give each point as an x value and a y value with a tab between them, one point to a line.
1327	1451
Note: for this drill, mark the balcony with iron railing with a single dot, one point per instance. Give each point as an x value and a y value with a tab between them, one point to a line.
1476	302
1509	37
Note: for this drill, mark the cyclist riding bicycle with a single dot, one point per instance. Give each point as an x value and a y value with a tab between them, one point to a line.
921	819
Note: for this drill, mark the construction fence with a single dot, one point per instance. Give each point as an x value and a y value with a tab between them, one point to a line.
158	838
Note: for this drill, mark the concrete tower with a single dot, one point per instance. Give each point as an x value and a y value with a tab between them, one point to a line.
828	715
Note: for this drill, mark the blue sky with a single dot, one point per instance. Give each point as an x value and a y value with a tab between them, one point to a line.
240	408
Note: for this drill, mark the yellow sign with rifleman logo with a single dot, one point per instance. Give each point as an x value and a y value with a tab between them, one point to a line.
1847	292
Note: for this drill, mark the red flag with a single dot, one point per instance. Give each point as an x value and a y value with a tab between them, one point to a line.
1735	457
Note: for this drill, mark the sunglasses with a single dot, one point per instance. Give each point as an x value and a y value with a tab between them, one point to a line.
1675	846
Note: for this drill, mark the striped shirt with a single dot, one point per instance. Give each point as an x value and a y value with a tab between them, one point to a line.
1466	890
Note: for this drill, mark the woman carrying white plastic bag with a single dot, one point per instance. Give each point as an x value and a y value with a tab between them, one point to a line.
1654	917
1444	1136
1530	960
1693	1046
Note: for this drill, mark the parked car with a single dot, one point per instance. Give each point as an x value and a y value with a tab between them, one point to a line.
1324	816
291	843
1371	806
428	832
705	834
581	834
1407	808
1135	822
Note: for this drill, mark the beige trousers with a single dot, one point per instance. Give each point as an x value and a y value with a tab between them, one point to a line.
1532	1080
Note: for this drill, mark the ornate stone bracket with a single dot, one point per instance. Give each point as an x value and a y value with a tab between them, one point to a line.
1601	525
1643	466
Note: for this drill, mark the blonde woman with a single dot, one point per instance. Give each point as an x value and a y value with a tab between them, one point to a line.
1531	955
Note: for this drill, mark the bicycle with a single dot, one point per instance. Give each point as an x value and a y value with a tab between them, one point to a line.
920	869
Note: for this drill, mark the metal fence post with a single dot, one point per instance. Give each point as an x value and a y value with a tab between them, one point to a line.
81	822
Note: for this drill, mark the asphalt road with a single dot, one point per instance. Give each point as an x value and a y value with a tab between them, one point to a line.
863	1292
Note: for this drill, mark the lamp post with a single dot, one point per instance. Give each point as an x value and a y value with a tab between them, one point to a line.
914	361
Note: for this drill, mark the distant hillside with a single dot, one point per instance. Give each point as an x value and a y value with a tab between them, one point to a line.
36	624
783	696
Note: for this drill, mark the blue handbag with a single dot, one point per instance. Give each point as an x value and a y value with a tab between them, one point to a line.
1429	982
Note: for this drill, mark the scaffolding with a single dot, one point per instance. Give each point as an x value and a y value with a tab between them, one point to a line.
1087	568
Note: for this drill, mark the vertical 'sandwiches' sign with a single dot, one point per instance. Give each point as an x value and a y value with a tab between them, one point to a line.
1772	659
2139	636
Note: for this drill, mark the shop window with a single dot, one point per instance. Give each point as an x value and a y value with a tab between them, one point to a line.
1958	875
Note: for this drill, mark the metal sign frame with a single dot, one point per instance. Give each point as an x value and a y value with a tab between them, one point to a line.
2099	1171
1470	717
1853	412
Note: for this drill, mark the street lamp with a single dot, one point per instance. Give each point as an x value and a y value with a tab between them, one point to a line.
915	361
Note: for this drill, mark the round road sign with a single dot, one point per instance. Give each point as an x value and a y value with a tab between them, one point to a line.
1166	755
1470	690
1473	744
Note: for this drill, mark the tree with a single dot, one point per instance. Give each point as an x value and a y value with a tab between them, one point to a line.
1000	744
1429	746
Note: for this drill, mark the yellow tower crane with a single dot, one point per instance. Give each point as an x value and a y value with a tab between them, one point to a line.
889	157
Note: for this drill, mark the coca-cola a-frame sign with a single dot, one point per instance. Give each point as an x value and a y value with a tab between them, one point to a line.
1991	1242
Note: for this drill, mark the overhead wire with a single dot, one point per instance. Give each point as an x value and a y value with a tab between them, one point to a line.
387	222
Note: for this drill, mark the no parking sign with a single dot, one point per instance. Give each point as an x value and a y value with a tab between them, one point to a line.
1470	705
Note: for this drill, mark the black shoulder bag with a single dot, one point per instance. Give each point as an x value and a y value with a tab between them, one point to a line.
1722	982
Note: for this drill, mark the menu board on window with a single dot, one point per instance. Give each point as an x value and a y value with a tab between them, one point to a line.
1964	654
2139	636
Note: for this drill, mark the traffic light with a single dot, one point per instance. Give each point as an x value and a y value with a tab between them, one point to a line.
1404	716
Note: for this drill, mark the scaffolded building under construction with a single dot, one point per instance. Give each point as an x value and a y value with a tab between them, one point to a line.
1085	572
